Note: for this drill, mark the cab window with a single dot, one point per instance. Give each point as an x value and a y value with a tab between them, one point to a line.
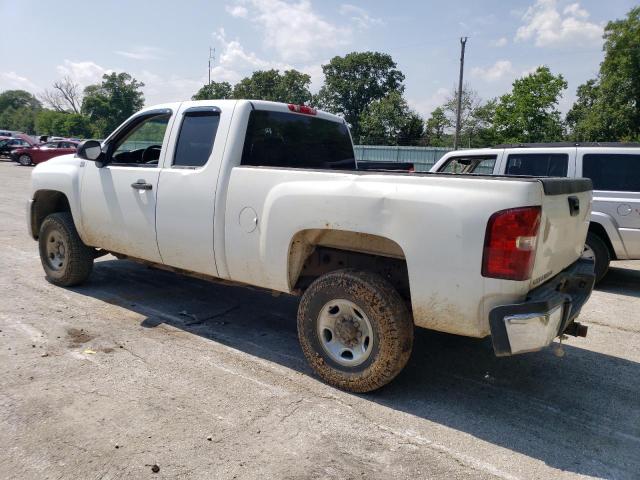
612	171
195	141
538	164
280	139
480	165
141	142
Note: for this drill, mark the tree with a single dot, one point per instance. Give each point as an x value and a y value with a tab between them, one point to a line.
608	107
436	126
17	110
50	122
17	99
111	102
291	86
213	91
65	96
584	121
389	121
354	81
529	113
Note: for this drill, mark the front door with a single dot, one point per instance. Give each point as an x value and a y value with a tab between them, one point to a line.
119	199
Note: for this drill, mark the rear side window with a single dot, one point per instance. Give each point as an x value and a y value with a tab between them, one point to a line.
195	141
279	139
612	171
479	165
538	164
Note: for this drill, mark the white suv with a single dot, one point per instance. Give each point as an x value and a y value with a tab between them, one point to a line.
614	168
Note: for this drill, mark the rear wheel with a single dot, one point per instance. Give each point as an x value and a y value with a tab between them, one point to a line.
65	259
595	249
24	160
355	330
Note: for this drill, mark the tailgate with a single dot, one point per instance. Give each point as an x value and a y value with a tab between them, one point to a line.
566	209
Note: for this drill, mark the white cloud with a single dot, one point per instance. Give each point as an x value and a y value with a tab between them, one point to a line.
237	11
544	23
158	89
426	106
84	73
11	80
500	42
359	16
494	72
292	28
233	62
142	53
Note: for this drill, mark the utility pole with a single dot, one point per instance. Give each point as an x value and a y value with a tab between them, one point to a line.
463	43
212	56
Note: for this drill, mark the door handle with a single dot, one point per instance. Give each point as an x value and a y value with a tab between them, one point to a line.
141	185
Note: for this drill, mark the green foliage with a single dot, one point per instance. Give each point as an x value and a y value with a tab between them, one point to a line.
529	113
354	81
291	86
111	102
389	121
18	109
608	107
50	122
214	91
17	99
436	127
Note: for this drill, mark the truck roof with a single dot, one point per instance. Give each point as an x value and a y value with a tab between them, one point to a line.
256	104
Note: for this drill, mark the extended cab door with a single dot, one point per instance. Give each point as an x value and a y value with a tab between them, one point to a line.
118	201
187	186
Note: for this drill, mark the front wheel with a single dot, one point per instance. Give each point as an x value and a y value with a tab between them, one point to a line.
595	249
355	330
65	259
24	160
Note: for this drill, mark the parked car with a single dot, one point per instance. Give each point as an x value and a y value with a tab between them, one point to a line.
8	145
248	191
41	153
614	168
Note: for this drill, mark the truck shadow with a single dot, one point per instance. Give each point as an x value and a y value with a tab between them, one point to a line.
577	413
621	281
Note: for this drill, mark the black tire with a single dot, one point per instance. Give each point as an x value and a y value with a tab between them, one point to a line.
24	160
73	266
601	254
386	314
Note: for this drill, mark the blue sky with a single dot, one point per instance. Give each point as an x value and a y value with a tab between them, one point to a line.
164	43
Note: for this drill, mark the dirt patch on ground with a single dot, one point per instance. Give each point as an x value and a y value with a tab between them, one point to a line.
77	337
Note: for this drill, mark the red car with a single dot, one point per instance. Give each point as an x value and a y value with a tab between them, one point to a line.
41	153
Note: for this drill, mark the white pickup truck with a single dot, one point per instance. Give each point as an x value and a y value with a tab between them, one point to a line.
268	194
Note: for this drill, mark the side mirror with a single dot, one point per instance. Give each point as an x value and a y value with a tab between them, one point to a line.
90	150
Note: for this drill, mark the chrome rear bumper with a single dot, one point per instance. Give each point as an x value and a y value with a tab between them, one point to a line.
546	313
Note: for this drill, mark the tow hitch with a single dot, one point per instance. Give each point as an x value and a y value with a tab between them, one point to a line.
576	329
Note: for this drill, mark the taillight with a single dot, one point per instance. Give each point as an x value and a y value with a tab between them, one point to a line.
510	243
302	109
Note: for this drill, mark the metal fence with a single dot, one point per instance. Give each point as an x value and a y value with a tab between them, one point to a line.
422	158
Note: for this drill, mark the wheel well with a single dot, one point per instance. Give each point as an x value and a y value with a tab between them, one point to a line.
316	252
599	230
46	202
